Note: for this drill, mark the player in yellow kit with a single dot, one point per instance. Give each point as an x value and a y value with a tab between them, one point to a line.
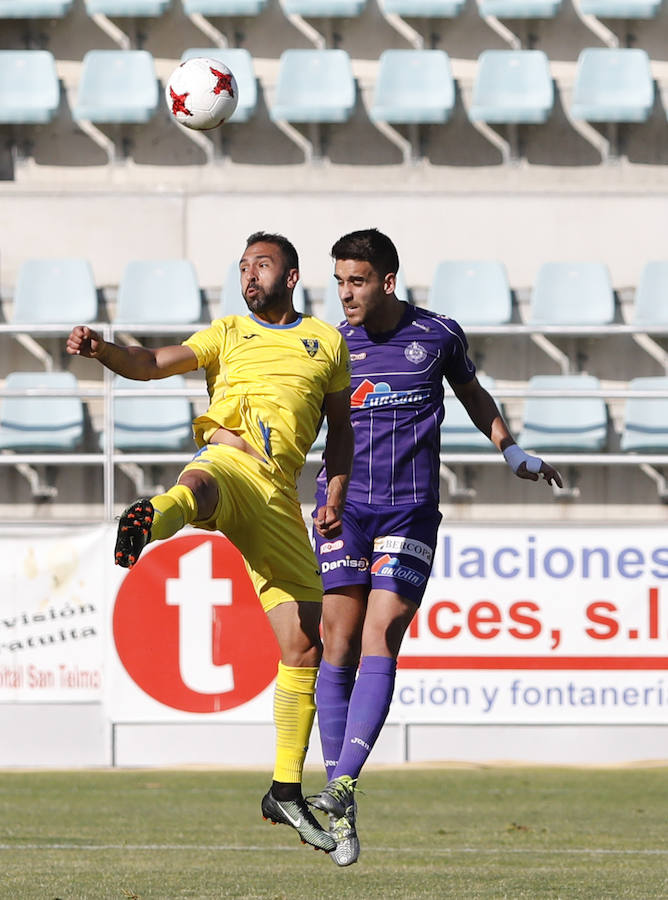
271	376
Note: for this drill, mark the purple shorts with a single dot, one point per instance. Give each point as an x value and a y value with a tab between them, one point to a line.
385	547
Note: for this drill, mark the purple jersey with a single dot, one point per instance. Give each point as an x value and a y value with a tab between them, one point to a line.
397	405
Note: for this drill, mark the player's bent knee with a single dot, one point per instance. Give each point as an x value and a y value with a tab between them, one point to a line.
205	491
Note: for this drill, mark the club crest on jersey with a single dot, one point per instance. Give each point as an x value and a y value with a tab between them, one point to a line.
415	352
311	345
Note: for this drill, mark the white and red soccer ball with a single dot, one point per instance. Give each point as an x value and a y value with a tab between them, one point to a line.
201	93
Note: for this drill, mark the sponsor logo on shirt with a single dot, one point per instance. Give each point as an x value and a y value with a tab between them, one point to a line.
355	356
420	325
329	546
394	543
346	563
369	395
415	352
393	568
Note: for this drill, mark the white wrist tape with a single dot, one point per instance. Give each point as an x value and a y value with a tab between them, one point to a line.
515	456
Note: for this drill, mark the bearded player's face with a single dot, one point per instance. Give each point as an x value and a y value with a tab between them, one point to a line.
265	278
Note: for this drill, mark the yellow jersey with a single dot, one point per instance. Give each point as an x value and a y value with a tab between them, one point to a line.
267	383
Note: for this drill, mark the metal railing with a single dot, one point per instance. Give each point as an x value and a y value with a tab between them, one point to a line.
109	458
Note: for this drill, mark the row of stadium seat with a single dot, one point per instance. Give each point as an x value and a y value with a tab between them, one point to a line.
155	293
412	86
557	421
512	9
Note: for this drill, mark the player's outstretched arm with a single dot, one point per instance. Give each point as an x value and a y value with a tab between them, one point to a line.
485	415
338	461
139	363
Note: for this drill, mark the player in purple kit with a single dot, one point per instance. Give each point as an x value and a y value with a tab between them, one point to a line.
375	574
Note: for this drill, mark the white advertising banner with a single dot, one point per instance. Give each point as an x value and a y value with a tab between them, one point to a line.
540	625
52	614
518	625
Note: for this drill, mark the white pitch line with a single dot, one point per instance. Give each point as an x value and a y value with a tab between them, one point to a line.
442	851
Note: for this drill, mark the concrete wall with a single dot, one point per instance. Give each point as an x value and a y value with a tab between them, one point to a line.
521	228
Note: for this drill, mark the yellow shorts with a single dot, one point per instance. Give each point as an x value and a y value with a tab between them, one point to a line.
263	519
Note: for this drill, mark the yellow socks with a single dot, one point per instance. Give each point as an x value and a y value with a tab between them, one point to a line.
173	510
294	710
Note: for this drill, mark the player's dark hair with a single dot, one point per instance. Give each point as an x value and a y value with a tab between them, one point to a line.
369	245
286	248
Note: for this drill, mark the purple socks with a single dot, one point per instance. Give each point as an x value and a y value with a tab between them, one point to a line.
351	718
332	696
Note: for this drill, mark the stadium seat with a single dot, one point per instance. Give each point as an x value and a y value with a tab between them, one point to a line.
151	422
512	86
127	8
613	85
318	446
55	291
332	311
117	86
413	86
620	9
471	292
155	292
646	419
519	9
324	8
240	62
458	433
40	422
564	424
223	8
34	9
29	87
651	298
232	301
314	86
424	9
572	294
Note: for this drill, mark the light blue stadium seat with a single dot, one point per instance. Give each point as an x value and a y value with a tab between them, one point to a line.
159	291
55	291
458	433
29	87
324	8
613	85
232	301
41	423
620	9
332	311
651	299
151	422
117	86
572	294
413	86
34	9
320	440
646	419
240	63
564	424
314	86
125	8
520	9
512	86
223	8
472	292
424	9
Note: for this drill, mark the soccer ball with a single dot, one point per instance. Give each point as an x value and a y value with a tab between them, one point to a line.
201	93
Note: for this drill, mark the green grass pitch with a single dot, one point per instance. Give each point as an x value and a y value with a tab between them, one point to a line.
434	832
